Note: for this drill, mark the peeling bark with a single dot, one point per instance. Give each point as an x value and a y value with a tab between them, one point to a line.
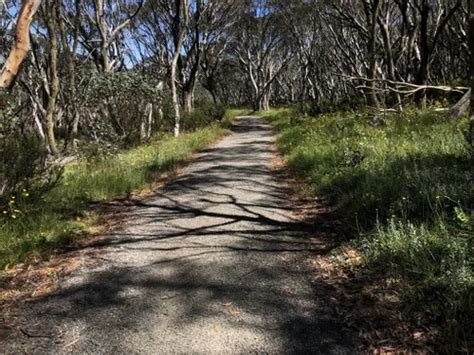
21	45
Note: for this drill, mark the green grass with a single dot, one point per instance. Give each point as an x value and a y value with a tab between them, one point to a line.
407	188
32	226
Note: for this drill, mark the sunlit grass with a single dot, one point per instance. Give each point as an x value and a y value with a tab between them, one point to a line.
31	226
406	184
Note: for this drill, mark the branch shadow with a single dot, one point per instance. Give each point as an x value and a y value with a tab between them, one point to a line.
218	245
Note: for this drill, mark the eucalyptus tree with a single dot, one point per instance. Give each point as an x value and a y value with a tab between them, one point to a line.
103	32
218	37
261	50
21	44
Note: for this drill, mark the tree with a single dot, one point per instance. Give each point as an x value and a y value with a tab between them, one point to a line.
261	51
471	46
180	25
21	44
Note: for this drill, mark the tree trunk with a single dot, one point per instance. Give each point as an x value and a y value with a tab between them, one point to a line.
422	74
54	78
179	5
71	70
462	106
174	94
146	123
19	50
372	13
266	102
103	31
21	45
188	101
471	46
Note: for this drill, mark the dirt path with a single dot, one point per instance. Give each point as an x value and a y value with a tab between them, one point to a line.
212	263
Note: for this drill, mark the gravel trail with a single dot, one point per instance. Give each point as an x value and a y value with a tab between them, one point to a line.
212	263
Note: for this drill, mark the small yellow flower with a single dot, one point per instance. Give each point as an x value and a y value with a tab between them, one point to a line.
78	219
5	212
13	197
26	194
14	216
16	211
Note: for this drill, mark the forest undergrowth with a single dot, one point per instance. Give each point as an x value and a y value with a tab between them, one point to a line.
405	185
33	222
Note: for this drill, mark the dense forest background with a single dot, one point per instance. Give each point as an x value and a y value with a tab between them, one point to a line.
117	71
370	97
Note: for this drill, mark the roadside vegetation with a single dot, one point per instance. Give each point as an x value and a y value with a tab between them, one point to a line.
92	93
405	184
34	222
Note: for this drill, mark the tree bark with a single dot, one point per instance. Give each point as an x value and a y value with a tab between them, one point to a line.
372	13
51	23
471	47
19	50
179	5
188	101
71	70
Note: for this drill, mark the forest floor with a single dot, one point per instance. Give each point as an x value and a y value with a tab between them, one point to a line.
218	260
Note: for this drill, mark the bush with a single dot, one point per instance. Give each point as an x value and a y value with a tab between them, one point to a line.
203	116
24	166
116	105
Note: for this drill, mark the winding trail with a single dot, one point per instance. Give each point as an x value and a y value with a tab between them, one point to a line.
214	262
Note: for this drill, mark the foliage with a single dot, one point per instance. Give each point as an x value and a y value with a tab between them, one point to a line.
205	114
24	166
45	222
406	181
116	105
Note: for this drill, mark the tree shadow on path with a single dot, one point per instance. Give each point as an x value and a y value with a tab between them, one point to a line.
215	261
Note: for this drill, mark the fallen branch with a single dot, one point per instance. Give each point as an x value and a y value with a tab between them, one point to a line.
411	89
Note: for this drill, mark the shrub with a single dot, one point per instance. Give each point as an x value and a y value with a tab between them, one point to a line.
24	166
203	116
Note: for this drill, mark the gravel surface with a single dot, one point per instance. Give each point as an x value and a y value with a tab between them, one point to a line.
214	262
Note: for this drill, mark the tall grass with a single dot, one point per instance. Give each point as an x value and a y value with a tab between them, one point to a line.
406	183
31	226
